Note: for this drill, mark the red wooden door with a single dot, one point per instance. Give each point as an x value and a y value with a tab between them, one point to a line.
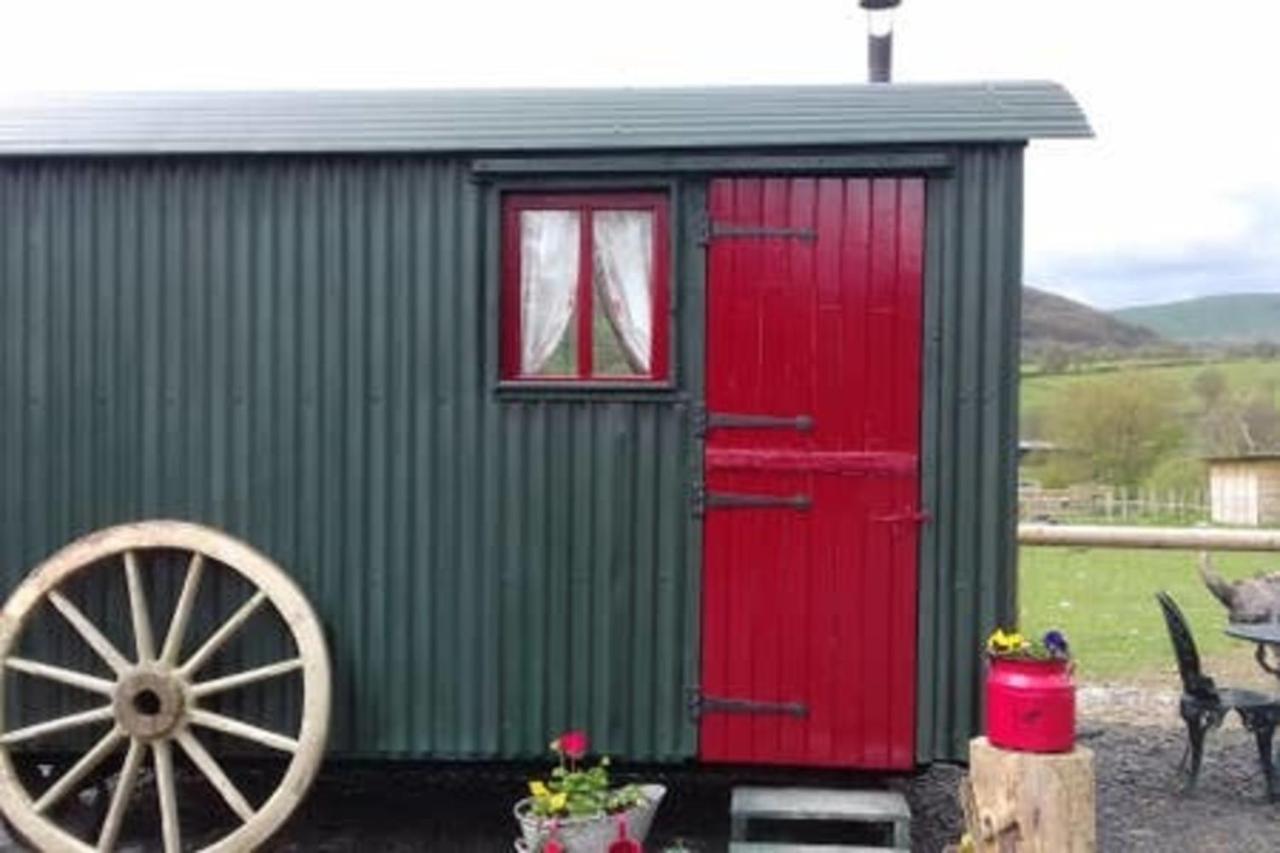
811	518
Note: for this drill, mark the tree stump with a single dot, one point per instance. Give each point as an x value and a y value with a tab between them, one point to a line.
1027	802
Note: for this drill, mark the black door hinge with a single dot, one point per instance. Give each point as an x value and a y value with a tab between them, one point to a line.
700	705
736	420
702	499
698	419
704	421
709	230
739	500
698	499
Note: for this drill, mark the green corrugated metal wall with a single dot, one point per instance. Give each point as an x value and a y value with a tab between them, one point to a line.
968	556
302	351
296	350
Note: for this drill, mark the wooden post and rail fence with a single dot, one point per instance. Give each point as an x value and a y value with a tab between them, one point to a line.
1164	538
1086	503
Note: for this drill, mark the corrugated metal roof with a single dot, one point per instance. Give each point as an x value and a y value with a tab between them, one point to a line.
487	120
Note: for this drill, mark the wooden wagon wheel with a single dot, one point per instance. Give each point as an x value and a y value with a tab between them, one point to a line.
153	699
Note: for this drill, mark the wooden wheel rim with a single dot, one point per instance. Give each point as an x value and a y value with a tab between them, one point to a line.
272	584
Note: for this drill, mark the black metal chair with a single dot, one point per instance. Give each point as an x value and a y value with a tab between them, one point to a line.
1204	704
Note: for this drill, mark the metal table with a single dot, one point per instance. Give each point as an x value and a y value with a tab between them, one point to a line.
1266	635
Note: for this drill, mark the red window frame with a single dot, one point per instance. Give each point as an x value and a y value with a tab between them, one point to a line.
586	205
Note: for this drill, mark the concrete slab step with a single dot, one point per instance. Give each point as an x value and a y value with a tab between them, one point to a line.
888	809
783	847
819	804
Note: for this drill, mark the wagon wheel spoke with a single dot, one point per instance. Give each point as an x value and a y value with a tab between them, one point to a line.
213	771
90	633
244	731
145	643
222	635
240	679
182	613
80	769
169	827
61	724
62	675
120	797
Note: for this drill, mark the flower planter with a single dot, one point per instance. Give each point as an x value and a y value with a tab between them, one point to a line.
587	834
1031	705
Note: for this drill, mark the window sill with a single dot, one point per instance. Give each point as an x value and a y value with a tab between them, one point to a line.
523	389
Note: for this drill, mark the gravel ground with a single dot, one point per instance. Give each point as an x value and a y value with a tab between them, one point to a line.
1138	739
1135	733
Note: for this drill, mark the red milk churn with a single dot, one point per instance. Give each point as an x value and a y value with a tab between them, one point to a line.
1031	705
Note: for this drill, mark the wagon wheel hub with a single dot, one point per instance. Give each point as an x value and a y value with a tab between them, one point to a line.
149	702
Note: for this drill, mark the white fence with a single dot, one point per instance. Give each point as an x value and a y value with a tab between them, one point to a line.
1111	505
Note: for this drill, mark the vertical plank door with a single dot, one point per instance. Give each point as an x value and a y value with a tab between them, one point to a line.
812	484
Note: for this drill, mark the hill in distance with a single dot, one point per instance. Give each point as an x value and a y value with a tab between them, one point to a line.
1050	320
1238	318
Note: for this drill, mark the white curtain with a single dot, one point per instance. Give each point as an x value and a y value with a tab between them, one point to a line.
623	241
549	241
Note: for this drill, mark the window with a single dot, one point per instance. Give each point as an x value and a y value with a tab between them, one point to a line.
584	293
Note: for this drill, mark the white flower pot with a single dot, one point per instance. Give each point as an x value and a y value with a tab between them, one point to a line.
587	834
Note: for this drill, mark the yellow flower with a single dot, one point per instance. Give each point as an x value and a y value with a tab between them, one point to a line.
999	641
538	789
559	801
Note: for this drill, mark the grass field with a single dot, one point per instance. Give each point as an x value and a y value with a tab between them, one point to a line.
1038	391
1104	600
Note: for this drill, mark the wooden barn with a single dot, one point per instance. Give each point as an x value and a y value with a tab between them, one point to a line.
687	417
1245	490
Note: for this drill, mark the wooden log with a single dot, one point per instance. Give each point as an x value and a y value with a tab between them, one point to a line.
1026	802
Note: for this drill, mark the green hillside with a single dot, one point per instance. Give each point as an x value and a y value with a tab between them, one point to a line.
1050	320
1232	318
1038	390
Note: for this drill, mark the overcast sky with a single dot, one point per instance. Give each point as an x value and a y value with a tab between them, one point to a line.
1178	196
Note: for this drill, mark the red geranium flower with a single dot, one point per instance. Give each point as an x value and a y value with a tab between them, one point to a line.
574	744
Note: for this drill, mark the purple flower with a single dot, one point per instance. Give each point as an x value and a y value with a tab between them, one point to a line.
1056	644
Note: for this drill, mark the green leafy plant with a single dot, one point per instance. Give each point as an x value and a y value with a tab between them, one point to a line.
575	790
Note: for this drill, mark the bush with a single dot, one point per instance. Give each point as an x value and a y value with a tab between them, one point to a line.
1179	474
1115	429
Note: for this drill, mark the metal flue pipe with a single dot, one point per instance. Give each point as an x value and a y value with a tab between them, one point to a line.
879	38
